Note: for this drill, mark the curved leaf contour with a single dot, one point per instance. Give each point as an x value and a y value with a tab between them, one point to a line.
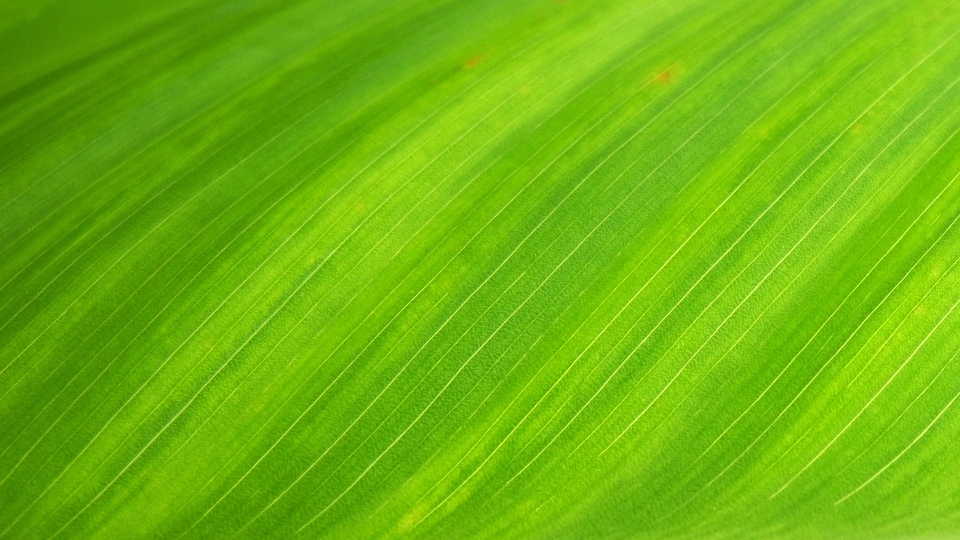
459	269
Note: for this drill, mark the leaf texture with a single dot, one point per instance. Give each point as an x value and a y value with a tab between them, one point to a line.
479	269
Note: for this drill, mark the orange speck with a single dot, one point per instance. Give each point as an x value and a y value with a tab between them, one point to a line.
665	76
473	62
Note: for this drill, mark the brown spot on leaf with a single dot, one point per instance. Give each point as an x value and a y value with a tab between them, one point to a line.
473	62
665	76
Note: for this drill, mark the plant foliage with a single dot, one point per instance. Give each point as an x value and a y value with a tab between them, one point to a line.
479	269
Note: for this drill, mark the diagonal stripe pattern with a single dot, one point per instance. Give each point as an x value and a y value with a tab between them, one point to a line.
479	269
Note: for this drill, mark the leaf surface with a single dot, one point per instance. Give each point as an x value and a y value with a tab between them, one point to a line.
479	269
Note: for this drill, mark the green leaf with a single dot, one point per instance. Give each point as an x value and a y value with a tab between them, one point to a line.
479	269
